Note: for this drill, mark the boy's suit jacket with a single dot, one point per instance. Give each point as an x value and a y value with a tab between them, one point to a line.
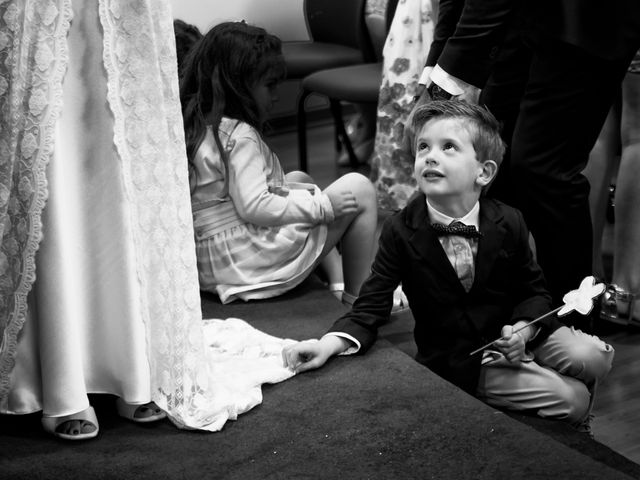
449	322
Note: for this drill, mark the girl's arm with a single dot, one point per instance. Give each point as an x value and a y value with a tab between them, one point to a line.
251	196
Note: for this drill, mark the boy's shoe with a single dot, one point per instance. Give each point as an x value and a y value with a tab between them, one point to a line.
585	426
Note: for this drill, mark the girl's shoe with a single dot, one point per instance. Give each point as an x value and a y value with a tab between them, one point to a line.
617	305
86	419
138	413
400	302
337	290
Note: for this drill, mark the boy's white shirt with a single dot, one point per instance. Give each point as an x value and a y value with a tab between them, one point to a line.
471	218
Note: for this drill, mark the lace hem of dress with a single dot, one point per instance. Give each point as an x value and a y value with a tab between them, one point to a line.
34	52
149	139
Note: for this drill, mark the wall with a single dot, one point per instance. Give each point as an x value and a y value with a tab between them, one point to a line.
283	18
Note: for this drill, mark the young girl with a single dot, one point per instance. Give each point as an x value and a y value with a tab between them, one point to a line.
258	231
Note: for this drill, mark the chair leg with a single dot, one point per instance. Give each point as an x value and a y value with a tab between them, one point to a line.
302	131
336	110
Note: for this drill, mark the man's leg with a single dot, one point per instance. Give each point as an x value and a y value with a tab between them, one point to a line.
565	103
502	95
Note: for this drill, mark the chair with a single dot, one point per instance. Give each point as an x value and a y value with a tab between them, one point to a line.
338	38
358	83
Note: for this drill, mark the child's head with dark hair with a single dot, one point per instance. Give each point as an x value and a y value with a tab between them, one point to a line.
458	150
232	71
186	37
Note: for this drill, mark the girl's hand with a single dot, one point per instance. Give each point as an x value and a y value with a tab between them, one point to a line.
343	203
512	345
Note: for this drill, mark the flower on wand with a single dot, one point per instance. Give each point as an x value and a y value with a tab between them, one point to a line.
581	300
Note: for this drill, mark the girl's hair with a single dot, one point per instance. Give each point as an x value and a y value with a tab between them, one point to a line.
219	74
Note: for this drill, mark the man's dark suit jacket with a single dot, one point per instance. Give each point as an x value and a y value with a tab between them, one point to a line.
469	33
449	322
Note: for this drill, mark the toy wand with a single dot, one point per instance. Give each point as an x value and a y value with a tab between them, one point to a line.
580	300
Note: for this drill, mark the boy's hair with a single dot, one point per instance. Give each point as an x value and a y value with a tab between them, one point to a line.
219	74
483	127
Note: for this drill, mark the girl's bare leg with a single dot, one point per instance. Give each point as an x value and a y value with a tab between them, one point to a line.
357	232
331	265
331	262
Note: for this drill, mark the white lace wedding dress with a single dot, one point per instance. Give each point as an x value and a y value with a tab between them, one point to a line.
98	281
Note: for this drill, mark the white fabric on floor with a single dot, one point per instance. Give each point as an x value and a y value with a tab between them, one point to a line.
243	358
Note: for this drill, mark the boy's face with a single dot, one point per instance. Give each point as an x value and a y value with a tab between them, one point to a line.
446	167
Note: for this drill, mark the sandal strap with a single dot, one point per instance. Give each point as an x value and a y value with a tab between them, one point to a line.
128	411
621	293
51	424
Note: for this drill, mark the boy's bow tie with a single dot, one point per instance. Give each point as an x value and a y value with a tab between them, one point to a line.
456	228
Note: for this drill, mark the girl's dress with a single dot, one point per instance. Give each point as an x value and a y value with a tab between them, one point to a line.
257	235
405	53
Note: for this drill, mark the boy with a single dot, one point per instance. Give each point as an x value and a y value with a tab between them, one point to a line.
467	288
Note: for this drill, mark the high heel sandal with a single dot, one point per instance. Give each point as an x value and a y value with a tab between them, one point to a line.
86	417
134	412
617	305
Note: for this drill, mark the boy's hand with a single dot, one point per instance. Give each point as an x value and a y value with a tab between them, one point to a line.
303	356
310	354
343	203
512	345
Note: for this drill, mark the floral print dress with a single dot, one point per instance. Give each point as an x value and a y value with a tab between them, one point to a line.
405	53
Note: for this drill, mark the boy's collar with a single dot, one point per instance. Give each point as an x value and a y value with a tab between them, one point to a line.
471	218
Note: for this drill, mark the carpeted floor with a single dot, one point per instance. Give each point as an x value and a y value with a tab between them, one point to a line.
378	416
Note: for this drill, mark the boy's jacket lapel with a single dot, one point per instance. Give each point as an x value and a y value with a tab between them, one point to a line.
425	243
490	244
